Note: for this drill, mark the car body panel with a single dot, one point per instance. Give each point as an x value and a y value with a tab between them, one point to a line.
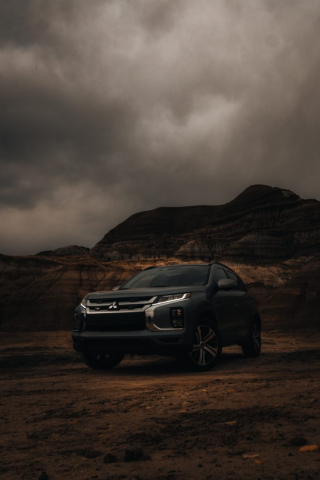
132	321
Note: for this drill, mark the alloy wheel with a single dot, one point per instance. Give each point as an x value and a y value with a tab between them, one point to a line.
206	347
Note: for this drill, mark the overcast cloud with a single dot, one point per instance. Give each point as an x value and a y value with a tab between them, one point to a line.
113	107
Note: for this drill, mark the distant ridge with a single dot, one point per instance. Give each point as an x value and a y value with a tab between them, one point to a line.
70	250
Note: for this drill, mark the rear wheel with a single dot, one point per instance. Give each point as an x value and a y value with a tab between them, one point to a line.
206	349
102	360
252	347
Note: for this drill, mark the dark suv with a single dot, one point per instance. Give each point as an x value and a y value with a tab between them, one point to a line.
186	311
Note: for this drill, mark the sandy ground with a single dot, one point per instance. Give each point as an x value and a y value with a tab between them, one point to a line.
149	419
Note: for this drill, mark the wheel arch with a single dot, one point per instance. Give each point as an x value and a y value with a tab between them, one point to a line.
208	314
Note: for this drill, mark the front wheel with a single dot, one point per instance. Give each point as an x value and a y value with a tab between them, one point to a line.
252	347
207	346
102	361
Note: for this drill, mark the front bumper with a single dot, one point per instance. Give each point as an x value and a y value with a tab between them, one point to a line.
151	333
135	343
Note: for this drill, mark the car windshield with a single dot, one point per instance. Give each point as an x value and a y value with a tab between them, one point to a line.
173	276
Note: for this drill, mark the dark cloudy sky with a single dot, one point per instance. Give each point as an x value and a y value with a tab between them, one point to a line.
112	107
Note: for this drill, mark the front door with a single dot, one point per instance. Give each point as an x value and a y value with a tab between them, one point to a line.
224	306
240	307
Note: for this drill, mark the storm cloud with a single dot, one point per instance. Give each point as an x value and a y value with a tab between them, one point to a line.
113	107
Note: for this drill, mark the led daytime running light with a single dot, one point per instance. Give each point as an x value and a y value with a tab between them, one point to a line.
173	297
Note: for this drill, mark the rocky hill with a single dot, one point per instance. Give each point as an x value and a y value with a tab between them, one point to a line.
270	236
262	225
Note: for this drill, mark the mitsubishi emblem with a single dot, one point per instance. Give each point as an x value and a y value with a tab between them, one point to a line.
114	306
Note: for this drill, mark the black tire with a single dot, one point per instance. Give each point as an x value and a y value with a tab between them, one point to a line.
206	348
252	347
102	360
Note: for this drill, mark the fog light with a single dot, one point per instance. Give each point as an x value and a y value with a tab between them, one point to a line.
176	315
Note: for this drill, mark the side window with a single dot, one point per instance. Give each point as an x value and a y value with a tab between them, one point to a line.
240	283
218	274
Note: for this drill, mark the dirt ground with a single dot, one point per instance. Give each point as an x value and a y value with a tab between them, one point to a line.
149	419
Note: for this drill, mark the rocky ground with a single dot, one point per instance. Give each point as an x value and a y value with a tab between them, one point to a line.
149	419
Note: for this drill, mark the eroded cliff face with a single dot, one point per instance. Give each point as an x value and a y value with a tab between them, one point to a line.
269	236
41	295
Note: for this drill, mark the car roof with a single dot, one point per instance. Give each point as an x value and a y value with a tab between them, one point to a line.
189	265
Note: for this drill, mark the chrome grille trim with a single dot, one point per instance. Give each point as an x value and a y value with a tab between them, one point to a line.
95	308
120	303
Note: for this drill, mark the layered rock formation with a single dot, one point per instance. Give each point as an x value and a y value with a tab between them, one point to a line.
40	293
270	236
262	225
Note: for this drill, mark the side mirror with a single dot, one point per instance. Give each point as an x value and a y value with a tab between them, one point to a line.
117	287
226	284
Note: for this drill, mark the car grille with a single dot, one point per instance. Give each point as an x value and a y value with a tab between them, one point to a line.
115	322
116	314
118	304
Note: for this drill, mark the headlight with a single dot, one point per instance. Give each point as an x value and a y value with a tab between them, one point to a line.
173	297
83	303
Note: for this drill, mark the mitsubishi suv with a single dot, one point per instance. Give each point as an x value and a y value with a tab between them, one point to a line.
187	311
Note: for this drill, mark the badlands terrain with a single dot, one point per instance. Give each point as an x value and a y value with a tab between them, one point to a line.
148	418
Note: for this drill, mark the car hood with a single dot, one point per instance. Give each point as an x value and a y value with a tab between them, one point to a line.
143	292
